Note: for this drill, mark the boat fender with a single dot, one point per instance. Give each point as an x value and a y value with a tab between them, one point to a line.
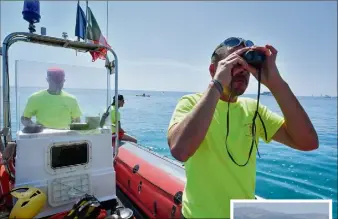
136	168
178	198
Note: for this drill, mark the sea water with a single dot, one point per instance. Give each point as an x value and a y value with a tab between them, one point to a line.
282	172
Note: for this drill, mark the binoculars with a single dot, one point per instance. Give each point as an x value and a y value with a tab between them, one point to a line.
254	58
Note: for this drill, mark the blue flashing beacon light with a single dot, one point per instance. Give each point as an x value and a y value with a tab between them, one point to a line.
31	13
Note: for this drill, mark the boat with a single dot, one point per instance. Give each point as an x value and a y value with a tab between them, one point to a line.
123	176
266	94
142	95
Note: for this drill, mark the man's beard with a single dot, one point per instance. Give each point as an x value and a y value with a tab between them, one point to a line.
238	90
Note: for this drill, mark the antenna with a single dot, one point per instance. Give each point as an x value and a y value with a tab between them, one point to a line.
65	35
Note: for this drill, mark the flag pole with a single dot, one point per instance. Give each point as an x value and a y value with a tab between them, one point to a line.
78	4
86	20
107	20
109	66
78	37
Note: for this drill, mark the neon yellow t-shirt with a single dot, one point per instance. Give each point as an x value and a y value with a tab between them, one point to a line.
52	111
212	177
113	118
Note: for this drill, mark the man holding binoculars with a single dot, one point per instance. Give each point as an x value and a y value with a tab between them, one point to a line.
214	133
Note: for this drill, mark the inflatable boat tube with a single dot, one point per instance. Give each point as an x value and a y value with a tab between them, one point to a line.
151	181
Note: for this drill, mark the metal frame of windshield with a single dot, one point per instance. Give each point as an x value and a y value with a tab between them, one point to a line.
56	42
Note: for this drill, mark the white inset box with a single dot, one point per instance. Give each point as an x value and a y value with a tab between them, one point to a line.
281	208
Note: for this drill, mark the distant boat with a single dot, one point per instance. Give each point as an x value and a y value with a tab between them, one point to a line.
142	95
266	93
327	96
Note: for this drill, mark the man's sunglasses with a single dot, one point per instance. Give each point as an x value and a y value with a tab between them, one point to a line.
236	41
233	42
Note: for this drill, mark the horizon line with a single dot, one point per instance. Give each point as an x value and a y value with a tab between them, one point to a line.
178	91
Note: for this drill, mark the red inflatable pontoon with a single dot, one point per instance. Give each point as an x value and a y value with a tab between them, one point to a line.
152	182
149	181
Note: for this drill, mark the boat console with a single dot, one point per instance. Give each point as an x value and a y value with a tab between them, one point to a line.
66	164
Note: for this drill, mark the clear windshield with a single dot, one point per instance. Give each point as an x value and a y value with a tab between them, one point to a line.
59	96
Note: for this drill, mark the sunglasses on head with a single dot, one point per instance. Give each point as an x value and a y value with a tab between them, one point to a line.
236	41
233	42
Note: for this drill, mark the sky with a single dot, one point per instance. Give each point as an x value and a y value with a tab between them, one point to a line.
78	72
293	208
166	46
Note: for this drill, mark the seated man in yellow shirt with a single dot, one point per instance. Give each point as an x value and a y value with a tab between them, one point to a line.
52	107
216	136
122	134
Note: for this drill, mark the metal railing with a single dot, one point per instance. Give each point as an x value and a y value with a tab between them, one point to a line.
56	42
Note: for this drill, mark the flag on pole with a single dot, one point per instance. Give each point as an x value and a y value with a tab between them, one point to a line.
94	35
81	23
